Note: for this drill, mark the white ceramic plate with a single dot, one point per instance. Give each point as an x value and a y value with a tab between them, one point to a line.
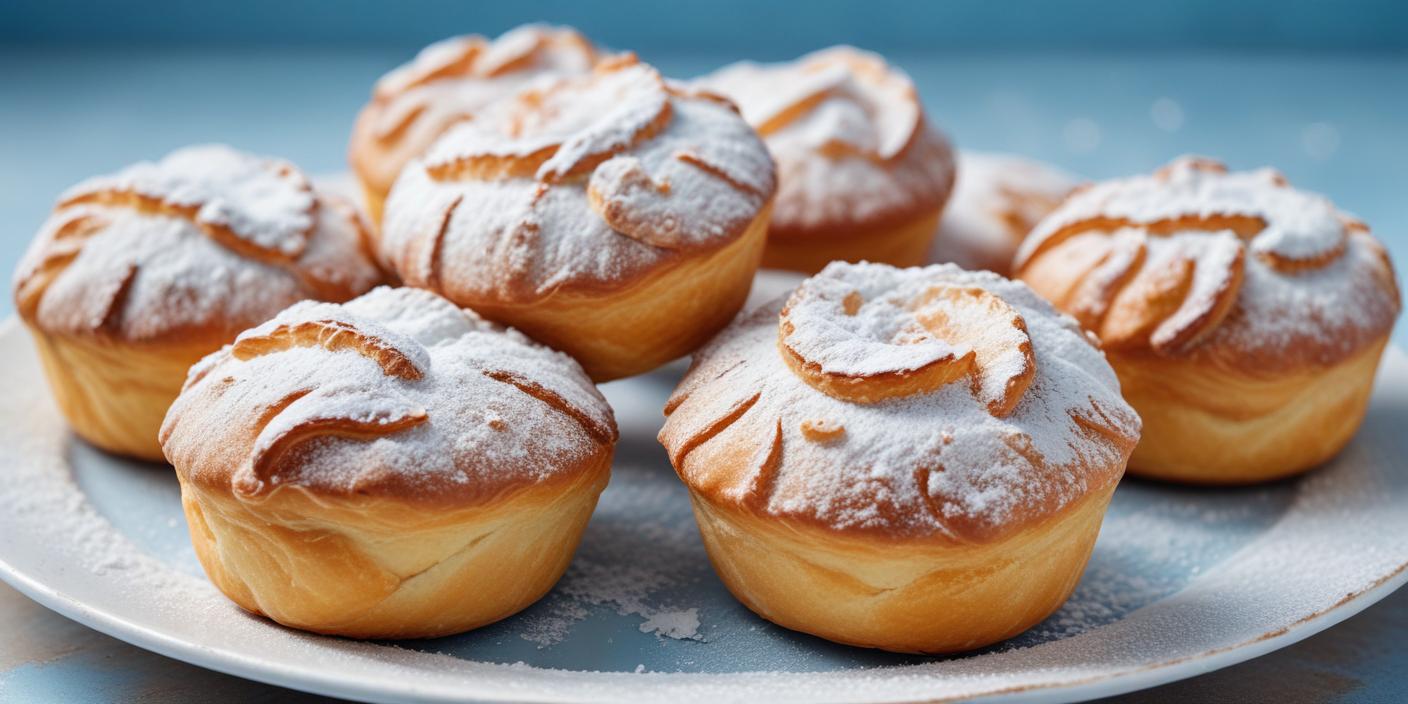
1182	582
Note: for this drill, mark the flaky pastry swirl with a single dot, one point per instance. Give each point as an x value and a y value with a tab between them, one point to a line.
584	184
922	402
397	393
1197	262
190	250
852	144
451	81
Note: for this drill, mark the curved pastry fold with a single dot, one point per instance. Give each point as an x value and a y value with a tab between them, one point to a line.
1196	258
841	407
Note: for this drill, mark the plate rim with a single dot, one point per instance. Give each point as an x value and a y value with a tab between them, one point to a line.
1134	679
223	659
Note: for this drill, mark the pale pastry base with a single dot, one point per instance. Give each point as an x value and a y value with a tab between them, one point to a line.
906	245
667	315
904	596
381	568
1205	425
113	395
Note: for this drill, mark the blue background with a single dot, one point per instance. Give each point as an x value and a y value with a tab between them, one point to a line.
758	27
1103	88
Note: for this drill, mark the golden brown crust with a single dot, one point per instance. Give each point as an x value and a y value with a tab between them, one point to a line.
555	209
1207	424
137	275
169	255
1245	319
888	593
822	413
379	568
398	395
997	200
449	82
358	469
1194	263
857	159
661	318
112	395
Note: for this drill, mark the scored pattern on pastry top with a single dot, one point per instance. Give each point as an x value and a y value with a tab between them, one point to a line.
452	79
208	238
789	414
841	101
854	149
592	180
260	208
301	393
331	335
838	338
563	130
1159	261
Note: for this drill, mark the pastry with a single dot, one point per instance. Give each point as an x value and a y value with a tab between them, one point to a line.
139	274
616	216
391	467
997	200
862	175
909	459
1245	318
448	82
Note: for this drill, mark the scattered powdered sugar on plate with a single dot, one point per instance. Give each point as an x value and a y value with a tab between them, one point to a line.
1181	582
635	555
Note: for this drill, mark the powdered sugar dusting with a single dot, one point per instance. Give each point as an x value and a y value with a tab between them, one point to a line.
848	133
982	479
141	275
639	553
1180	582
459	425
665	171
450	81
269	204
1299	226
881	335
1307	283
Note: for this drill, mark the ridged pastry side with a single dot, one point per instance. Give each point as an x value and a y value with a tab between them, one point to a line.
391	467
900	444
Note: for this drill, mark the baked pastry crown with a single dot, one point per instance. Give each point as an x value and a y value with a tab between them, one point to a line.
398	393
997	200
850	137
194	247
1194	259
589	182
925	402
451	81
471	69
